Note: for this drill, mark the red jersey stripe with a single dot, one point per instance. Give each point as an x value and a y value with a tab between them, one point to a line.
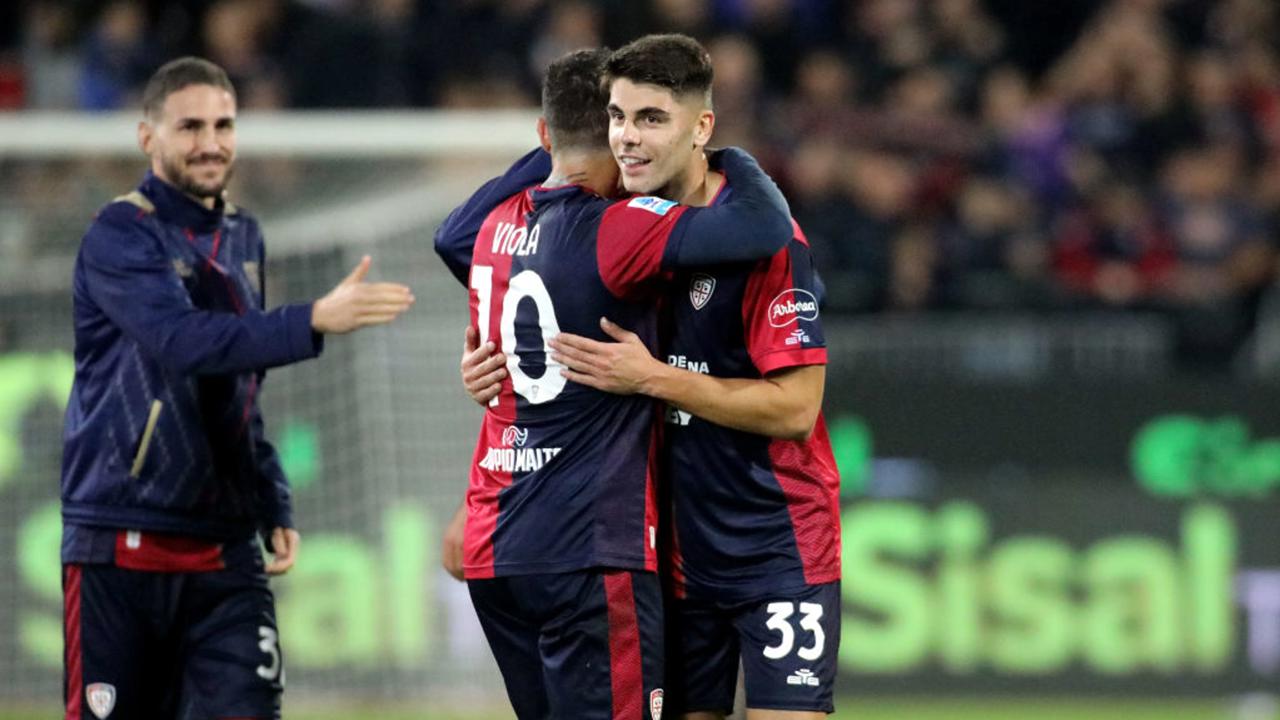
73	652
625	670
807	474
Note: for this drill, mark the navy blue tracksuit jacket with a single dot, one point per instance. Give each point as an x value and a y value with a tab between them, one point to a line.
163	431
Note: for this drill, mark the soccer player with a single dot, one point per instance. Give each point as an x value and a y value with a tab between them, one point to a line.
560	540
167	476
756	557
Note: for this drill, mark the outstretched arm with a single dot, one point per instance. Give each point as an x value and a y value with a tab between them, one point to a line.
784	404
133	282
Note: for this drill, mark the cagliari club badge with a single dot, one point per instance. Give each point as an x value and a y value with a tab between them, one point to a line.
101	698
700	288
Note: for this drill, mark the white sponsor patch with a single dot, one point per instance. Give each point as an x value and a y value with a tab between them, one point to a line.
700	288
655	205
101	698
792	305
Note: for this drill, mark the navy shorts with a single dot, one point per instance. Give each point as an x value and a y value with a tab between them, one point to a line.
584	645
185	645
788	643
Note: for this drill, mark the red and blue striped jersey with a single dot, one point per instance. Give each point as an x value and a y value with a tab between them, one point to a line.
562	475
752	514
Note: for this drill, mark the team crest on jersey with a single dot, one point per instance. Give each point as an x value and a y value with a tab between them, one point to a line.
655	704
181	267
791	306
101	698
700	289
251	272
514	436
655	205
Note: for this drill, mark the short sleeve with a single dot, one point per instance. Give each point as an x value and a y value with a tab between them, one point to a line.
631	241
780	311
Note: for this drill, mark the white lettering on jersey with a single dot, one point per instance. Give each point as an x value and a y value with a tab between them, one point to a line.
511	239
517	459
797	337
674	415
792	305
655	205
685	363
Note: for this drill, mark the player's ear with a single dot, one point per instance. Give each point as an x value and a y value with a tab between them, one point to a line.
544	134
145	135
702	130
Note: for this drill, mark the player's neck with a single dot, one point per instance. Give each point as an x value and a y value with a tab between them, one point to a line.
699	184
596	172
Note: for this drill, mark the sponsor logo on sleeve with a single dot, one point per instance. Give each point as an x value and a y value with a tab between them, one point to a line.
101	698
791	306
655	205
655	704
700	288
797	337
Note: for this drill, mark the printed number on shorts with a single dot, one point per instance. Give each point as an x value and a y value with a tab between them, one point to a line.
270	644
779	621
526	284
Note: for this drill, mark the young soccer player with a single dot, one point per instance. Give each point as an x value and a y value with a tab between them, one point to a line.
560	539
756	553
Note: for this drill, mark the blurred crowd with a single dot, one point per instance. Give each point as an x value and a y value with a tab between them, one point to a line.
940	154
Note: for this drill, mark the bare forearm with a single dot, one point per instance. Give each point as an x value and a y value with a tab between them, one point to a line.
763	406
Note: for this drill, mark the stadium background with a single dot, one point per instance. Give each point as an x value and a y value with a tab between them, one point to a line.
1048	232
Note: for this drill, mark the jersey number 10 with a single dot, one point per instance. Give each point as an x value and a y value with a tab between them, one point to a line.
526	284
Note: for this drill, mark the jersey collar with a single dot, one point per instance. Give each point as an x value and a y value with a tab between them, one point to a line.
173	205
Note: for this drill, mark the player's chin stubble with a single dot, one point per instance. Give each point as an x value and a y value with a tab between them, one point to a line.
187	182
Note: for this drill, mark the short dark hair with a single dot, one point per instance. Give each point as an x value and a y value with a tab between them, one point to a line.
178	74
574	100
672	61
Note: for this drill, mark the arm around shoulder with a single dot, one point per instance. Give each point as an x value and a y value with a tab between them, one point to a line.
754	224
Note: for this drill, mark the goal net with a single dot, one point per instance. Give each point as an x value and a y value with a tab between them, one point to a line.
375	435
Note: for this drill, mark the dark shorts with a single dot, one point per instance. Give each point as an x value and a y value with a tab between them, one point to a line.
584	645
191	646
788	643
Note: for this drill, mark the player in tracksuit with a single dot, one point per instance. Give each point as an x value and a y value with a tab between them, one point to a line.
560	547
755	562
167	476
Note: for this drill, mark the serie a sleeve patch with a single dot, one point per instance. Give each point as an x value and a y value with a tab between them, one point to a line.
655	205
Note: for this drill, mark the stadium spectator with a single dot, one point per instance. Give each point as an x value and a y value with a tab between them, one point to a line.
1054	99
119	55
1112	250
